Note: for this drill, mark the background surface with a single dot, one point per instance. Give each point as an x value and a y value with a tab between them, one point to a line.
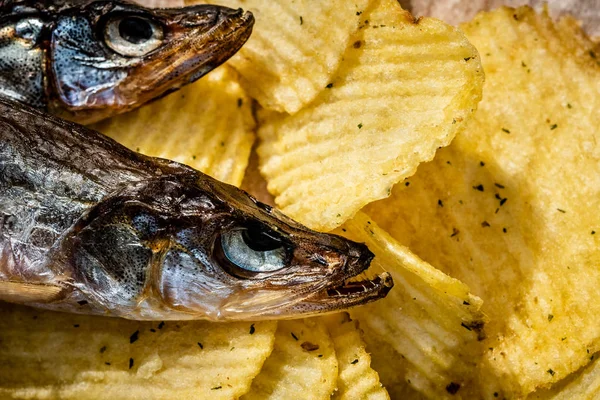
457	11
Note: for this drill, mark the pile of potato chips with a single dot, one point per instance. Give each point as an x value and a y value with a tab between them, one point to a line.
479	198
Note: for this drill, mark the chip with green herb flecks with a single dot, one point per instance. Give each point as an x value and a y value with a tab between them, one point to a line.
45	354
356	379
425	334
405	87
303	364
511	206
207	125
295	48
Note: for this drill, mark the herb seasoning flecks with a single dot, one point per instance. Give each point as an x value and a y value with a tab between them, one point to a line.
134	337
452	387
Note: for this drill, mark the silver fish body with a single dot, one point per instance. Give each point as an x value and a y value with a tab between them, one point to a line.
89	226
88	60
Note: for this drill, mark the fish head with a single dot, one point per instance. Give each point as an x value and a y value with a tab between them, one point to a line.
236	258
108	57
197	248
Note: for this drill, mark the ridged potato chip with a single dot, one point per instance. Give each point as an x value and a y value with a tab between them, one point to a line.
511	206
424	335
302	366
581	385
207	125
295	48
405	88
356	379
49	355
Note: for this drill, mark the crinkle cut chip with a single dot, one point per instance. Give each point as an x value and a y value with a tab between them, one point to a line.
404	89
511	206
47	354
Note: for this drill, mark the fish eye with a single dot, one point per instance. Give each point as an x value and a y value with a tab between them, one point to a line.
133	35
255	248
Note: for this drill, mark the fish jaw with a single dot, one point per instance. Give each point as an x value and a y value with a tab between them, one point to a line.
98	82
339	298
334	296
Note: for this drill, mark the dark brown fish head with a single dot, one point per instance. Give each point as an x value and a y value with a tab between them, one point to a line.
108	57
216	253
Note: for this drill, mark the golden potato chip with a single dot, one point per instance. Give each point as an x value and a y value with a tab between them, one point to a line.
511	207
295	48
356	379
47	354
302	366
405	88
581	385
423	336
207	125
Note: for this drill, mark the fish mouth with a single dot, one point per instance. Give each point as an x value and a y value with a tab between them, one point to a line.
355	288
348	293
351	292
361	291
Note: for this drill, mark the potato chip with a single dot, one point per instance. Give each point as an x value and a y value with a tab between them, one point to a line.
356	379
581	385
295	48
47	354
302	366
207	125
405	88
511	207
424	335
